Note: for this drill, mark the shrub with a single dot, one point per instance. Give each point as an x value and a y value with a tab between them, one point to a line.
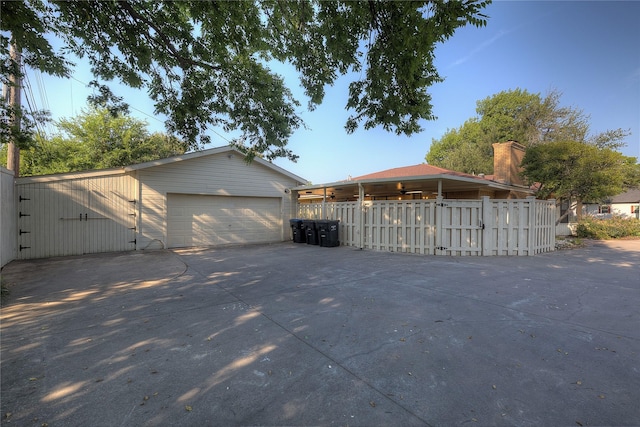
613	228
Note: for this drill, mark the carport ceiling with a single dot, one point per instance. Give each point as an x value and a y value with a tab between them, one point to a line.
428	186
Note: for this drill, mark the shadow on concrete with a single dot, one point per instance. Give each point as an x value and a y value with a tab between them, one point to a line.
302	335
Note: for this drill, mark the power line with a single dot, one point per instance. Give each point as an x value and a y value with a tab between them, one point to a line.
43	97
45	102
31	101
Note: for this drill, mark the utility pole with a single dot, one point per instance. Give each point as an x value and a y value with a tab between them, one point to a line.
14	102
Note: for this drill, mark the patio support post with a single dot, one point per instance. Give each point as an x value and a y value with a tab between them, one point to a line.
360	226
324	203
439	189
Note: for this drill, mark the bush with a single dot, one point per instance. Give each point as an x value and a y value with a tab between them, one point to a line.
612	228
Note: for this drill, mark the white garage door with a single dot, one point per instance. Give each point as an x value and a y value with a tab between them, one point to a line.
194	220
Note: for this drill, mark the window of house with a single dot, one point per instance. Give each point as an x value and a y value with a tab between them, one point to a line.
565	205
635	209
605	209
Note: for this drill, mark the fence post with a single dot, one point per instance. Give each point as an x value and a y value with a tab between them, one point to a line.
439	222
488	224
360	222
532	226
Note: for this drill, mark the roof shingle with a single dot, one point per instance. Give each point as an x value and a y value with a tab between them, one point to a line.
415	170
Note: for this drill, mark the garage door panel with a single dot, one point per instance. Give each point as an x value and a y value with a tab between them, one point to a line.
196	220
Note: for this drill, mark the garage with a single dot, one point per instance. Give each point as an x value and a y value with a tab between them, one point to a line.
205	198
204	220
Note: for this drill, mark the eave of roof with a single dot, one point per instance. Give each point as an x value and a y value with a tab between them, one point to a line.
467	179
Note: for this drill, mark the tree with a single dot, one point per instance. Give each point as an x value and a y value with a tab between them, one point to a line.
97	138
459	150
207	63
518	115
579	172
530	119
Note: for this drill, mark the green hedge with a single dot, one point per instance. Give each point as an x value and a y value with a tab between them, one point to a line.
613	228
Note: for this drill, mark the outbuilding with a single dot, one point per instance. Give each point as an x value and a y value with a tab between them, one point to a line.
205	198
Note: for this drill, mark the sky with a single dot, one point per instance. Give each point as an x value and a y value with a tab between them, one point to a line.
589	51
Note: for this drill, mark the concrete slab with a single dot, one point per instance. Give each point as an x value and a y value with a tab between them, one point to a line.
294	334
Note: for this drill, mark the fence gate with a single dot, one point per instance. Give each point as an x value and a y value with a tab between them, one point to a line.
76	217
459	228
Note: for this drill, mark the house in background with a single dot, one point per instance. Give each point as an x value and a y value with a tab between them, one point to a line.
626	205
428	182
427	210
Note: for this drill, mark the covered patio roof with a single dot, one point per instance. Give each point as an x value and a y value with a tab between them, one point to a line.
422	181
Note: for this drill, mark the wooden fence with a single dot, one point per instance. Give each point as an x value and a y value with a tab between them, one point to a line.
8	217
443	227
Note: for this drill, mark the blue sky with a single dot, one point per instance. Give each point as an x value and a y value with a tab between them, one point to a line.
589	51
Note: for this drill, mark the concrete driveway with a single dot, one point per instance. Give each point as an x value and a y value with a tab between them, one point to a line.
292	334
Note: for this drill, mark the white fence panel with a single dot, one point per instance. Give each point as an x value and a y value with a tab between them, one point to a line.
544	226
459	227
8	217
508	227
402	226
345	212
443	227
310	211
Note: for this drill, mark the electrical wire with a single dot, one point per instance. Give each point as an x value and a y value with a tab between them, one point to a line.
41	86
42	89
31	101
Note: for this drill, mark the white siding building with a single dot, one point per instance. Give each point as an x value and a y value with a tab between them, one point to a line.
627	204
207	198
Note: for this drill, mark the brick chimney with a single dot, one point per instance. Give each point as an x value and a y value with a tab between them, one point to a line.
507	157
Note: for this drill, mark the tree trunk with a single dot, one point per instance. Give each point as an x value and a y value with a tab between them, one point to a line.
579	210
568	212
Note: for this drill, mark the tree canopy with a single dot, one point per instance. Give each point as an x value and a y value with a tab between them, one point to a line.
206	63
98	138
579	172
518	115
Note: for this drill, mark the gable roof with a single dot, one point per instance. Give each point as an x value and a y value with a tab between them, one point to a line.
412	171
631	196
422	178
155	163
209	152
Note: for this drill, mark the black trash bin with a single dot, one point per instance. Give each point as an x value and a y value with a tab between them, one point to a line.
328	233
297	230
310	231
